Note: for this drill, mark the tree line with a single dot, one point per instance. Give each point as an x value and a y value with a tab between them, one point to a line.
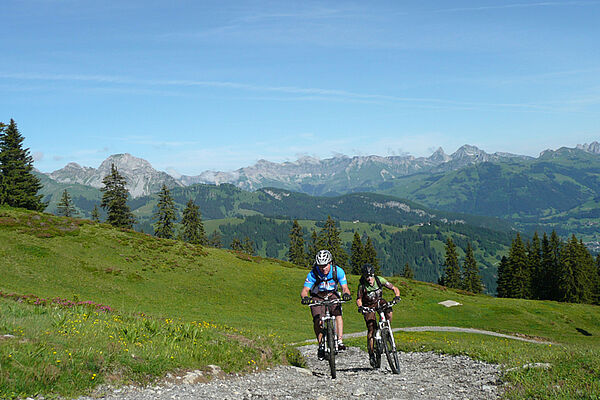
550	269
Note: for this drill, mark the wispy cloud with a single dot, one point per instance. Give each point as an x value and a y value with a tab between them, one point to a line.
320	94
522	5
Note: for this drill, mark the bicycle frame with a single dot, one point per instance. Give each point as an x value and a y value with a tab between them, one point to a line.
329	332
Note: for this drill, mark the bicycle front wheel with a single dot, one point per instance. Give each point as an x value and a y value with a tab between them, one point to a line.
331	345
390	352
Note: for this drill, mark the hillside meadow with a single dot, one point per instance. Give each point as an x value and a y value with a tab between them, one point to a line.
175	306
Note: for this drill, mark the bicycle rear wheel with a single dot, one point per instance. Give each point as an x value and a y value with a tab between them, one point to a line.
331	345
390	352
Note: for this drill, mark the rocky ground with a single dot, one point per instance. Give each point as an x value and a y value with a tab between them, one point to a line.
422	376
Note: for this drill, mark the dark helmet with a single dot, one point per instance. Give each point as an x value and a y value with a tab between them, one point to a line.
368	270
323	257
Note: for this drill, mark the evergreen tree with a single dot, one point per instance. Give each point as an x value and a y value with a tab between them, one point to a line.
65	205
356	255
236	244
503	278
329	238
18	186
577	277
214	239
534	256
165	214
554	269
408	272
518	270
451	277
114	200
312	248
95	214
248	246
193	228
471	280
370	255
296	254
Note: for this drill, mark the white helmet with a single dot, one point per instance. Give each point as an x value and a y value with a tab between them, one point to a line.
323	257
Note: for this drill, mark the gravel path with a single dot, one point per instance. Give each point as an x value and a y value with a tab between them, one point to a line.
422	376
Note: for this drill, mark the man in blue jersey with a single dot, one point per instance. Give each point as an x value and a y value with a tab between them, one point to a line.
320	284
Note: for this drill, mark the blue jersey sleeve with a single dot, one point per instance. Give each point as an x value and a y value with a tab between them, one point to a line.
341	275
310	280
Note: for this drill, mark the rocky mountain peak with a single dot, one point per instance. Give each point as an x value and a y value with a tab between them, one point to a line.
593	147
439	156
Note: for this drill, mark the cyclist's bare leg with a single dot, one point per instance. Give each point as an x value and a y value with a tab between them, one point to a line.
339	323
370	334
318	328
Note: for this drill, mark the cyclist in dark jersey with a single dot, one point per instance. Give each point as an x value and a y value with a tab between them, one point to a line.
320	284
370	294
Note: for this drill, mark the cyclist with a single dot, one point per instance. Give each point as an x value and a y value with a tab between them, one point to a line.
321	284
370	294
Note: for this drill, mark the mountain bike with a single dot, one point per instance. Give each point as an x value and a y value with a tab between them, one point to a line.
384	338
329	331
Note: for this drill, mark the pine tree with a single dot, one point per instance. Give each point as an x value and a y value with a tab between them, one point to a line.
408	272
18	186
248	246
577	277
356	255
534	257
165	214
503	278
518	267
329	238
296	254
214	239
65	205
312	248
471	280
554	269
451	277
370	255
114	200
95	214
193	228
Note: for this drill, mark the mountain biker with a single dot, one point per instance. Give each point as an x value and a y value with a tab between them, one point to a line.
321	284
370	294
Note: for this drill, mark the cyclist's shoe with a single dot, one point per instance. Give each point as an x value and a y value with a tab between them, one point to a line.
372	360
340	345
321	353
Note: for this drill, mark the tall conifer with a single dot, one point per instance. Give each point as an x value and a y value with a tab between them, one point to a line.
193	228
329	239
471	278
534	256
65	205
518	267
312	247
370	255
296	254
451	277
503	278
18	186
114	200
165	214
356	255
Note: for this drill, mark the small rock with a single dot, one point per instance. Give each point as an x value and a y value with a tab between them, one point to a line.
359	392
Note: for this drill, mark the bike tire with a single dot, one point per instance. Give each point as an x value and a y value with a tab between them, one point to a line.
331	345
377	349
390	352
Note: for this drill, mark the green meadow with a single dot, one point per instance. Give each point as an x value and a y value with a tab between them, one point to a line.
175	306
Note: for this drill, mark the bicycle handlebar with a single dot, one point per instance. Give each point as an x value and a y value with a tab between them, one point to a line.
325	302
367	310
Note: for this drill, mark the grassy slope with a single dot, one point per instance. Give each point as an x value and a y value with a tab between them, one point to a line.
132	272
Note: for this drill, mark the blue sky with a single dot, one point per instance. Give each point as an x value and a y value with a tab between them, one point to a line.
198	85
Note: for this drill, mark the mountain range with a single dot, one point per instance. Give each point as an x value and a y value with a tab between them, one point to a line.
309	175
